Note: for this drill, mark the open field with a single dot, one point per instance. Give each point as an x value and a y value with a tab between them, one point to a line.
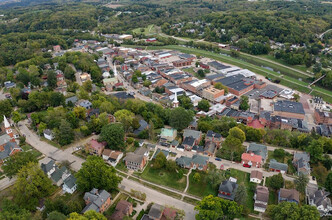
149	30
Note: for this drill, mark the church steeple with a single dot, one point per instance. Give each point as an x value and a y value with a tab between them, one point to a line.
7	125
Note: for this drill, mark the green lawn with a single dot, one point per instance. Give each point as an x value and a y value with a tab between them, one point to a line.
163	177
149	30
273	197
50	142
201	189
272	58
121	166
244	178
35	152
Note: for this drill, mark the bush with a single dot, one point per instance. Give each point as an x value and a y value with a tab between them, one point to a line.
130	140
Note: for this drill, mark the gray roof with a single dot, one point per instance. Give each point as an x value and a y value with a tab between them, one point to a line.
96	199
57	174
156	211
85	104
289	106
189	141
72	99
143	126
5	138
8	148
165	152
183	161
302	155
141	151
210	133
48	166
70	181
236	82
258	149
134	158
198	148
278	166
228	186
186	56
210	147
217	65
193	133
47	131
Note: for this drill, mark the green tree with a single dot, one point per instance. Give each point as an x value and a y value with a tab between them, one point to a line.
237	133
89	215
296	97
65	134
113	134
212	208
215	177
203	105
51	79
197	178
220	86
160	161
87	86
241	195
56	216
320	172
69	72
94	173
301	183
180	118
126	117
244	103
16	116
201	73
276	181
185	102
31	185
5	109
291	210
15	162
11	211
171	166
328	182
315	149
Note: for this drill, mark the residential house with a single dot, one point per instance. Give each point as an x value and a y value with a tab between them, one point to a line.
301	162
197	135
278	167
288	195
143	126
59	175
319	198
209	148
48	134
159	212
112	157
165	152
198	149
135	161
7	149
227	189
189	143
213	137
48	168
256	176
258	149
261	198
195	162
251	159
122	209
168	134
85	104
71	100
142	151
96	200
69	184
95	147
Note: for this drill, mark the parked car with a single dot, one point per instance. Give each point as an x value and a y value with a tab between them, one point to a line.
218	159
246	165
222	167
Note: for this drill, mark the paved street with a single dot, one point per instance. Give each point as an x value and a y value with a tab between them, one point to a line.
157	197
60	155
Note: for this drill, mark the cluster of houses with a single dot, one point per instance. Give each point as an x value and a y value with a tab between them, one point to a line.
60	176
8	144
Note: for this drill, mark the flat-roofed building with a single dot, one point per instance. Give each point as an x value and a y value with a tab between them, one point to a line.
212	93
288	109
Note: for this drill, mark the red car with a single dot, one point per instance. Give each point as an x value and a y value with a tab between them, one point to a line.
246	165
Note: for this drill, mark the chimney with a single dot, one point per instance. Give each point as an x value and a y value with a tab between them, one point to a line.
252	154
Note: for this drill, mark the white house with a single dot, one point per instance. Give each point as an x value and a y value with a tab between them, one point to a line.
48	134
256	176
319	198
261	198
69	185
112	157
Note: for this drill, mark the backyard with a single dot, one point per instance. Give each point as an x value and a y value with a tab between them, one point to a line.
202	188
164	177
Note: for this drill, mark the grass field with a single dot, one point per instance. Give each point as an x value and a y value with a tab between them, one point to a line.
291	79
298	67
149	30
201	189
163	177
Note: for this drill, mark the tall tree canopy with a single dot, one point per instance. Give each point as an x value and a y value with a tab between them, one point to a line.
113	134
